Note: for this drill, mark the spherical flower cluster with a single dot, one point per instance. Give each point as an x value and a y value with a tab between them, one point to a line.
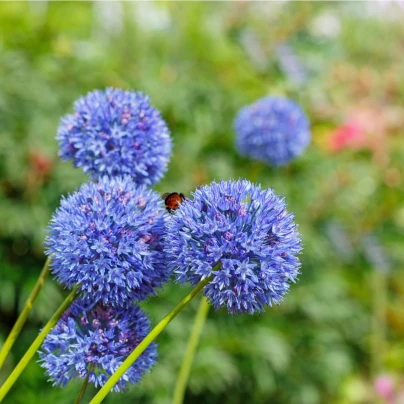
116	132
273	129
94	341
242	237
107	237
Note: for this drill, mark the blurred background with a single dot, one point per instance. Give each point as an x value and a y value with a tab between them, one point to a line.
339	335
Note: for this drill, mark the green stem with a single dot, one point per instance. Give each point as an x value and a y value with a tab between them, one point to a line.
83	387
15	332
36	344
378	324
183	375
153	334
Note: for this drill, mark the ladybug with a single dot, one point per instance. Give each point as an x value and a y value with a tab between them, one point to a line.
173	200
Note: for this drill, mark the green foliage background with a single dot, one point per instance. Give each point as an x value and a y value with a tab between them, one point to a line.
200	62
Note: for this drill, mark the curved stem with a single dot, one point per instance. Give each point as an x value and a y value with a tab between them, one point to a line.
36	344
22	318
153	334
83	387
183	375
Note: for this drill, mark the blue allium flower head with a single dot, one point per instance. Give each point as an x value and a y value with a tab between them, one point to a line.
107	237
273	129
244	229
116	132
94	340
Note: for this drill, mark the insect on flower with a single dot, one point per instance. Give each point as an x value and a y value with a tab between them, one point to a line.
173	200
245	229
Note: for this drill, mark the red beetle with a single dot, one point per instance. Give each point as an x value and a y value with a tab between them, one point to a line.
173	200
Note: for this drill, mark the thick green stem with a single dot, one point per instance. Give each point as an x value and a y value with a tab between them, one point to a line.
153	334
36	344
183	375
83	387
15	332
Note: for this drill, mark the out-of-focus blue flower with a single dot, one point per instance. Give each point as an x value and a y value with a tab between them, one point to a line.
94	340
290	64
107	237
244	229
273	129
116	132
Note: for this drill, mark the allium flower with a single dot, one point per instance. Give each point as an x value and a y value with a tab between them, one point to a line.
107	237
273	129
115	132
244	229
95	340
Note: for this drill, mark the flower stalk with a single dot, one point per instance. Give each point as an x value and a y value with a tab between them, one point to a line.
378	322
37	343
154	333
185	370
22	318
83	387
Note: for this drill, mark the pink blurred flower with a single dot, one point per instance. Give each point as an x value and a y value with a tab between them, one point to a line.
384	387
349	135
366	127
